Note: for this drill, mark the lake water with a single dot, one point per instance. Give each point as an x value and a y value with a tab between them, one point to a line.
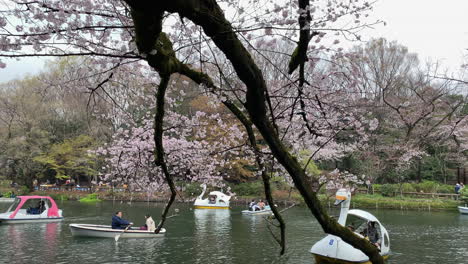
222	236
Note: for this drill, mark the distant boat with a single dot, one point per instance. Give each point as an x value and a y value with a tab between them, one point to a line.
463	210
215	200
22	211
265	211
333	249
261	212
106	231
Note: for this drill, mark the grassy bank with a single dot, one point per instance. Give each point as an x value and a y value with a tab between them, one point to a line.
402	203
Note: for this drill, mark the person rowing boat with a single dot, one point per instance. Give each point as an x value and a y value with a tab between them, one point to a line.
118	222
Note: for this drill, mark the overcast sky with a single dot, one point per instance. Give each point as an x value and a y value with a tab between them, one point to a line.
434	29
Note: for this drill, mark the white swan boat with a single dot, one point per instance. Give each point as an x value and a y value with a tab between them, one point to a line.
215	200
463	210
332	249
32	209
106	231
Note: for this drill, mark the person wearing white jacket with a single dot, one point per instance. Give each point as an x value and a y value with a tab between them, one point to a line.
150	223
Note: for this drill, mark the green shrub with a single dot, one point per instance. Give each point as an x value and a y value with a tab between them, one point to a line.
55	196
376	187
248	189
377	201
464	194
193	189
7	194
93	197
388	190
407	187
4	183
279	183
23	190
427	186
445	188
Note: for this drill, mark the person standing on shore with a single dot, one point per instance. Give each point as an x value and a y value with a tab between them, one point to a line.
458	187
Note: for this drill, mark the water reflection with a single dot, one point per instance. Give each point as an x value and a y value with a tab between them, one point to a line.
215	221
212	232
223	236
26	240
254	222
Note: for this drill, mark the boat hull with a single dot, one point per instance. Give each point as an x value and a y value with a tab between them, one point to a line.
210	207
261	212
327	260
463	210
29	220
103	231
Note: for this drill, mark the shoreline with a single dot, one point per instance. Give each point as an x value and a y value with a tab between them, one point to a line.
362	201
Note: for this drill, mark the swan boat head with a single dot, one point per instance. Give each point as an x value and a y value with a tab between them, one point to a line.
331	249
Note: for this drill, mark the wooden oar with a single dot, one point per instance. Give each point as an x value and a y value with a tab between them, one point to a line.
118	235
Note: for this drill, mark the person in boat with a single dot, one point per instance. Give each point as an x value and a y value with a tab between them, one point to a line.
261	205
118	222
150	226
212	199
372	234
351	226
252	204
38	209
258	206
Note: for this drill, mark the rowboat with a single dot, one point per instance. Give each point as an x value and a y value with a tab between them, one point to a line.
332	249
260	212
32	209
106	231
215	200
463	210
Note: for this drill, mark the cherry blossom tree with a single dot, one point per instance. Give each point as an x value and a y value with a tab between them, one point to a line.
414	108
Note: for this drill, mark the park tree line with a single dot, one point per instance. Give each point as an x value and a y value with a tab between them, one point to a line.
53	123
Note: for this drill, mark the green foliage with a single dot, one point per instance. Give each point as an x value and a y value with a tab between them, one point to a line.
464	194
379	201
70	158
23	190
193	189
249	189
312	168
7	194
407	187
279	183
388	190
90	198
424	187
4	184
427	186
445	188
376	187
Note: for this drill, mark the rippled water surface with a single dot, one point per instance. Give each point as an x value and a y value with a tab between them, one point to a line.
222	236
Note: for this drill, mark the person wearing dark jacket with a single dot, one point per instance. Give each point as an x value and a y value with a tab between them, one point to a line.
118	222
